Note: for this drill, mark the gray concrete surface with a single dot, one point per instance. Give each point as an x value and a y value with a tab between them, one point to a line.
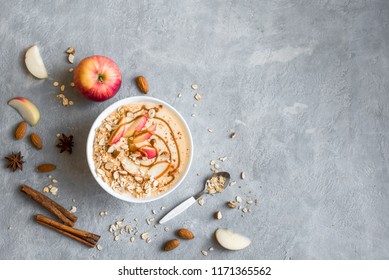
304	84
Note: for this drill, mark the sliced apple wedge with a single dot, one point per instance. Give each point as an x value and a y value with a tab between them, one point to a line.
129	166
117	134
135	126
231	240
159	169
148	151
34	63
26	109
145	135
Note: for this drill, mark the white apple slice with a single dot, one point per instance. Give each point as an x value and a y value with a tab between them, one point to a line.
231	240
129	166
26	109
158	169
35	63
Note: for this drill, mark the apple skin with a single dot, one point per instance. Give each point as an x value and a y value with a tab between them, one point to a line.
97	78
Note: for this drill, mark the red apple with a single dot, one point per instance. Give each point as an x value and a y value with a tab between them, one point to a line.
97	78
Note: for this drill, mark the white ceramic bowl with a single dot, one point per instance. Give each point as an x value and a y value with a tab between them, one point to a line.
97	123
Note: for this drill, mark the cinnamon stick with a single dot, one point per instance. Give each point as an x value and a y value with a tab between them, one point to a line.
59	211
87	238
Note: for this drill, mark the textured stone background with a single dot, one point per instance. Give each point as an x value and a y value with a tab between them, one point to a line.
303	83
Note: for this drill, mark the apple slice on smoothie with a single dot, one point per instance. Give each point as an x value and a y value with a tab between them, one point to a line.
158	169
145	135
135	126
148	151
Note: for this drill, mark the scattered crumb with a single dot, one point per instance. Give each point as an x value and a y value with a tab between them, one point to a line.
166	229
103	213
232	183
71	58
99	247
201	202
72	84
222	158
197	97
154	212
132	239
238	199
179	95
73	209
233	135
163	207
210	130
54	181
218	215
244	210
62	88
194	105
210	249
194	86
71	70
205	253
242	175
193	115
116	238
55	84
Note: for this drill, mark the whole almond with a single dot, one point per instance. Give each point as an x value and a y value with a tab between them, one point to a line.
20	130
46	167
185	233
36	140
171	245
142	84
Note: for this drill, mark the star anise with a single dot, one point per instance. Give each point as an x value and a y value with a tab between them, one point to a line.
65	143
15	161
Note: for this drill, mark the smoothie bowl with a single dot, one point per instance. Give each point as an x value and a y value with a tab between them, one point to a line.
139	149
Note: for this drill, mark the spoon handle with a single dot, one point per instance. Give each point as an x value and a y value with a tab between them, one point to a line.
178	210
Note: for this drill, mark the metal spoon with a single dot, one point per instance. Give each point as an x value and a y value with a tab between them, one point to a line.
187	203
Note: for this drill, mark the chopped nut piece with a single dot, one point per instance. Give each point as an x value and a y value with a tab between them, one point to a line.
73	209
179	95
148	240
231	204
249	202
210	130
222	158
205	253
233	135
132	239
62	87
71	70
144	235
117	238
210	249
232	183
71	58
212	162
218	215
103	213
197	97
70	51
242	175
46	189
194	86
99	247
244	210
201	202
72	84
238	199
154	212
55	84
166	229
53	190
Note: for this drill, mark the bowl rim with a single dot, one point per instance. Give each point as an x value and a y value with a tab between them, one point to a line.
97	123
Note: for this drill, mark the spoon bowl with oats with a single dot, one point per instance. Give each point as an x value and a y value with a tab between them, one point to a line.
215	184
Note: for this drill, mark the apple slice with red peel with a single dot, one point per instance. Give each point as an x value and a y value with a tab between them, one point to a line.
145	135
129	166
137	125
149	151
158	169
26	109
34	63
117	134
